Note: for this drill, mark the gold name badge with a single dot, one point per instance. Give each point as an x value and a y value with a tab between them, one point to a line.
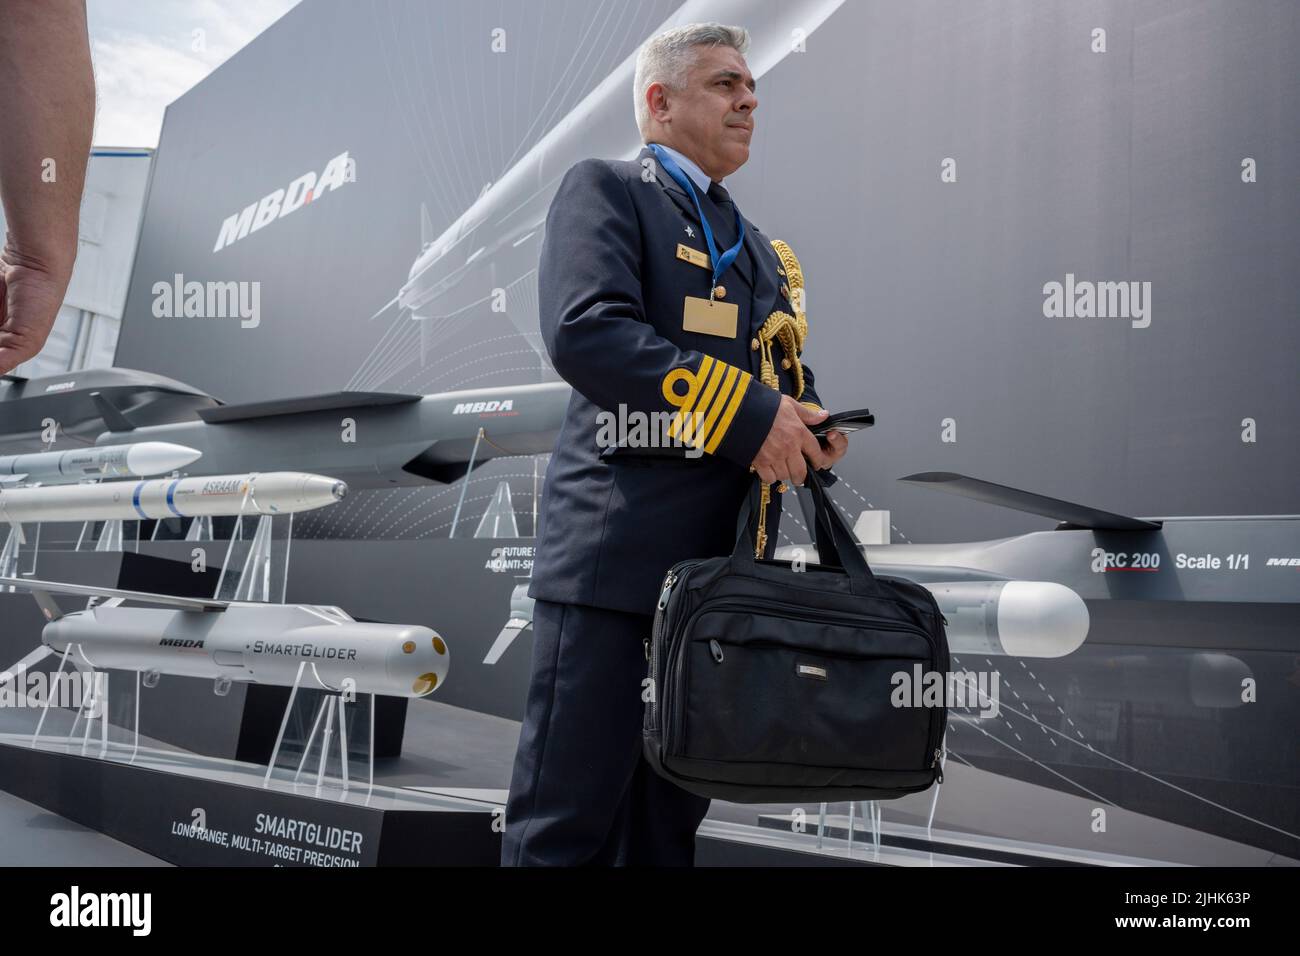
711	318
694	256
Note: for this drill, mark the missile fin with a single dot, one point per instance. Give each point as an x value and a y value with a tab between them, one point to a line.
45	601
113	417
1071	514
93	590
329	401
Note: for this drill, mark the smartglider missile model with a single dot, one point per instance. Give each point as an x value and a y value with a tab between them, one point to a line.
104	461
498	238
232	641
271	493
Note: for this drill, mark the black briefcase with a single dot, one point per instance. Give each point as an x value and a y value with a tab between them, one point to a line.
773	684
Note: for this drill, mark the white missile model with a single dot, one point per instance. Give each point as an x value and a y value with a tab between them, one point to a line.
269	493
998	618
103	461
1011	618
233	641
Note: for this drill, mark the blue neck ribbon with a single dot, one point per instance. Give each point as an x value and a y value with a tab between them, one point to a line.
720	262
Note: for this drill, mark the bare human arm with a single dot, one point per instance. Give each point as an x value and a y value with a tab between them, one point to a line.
47	116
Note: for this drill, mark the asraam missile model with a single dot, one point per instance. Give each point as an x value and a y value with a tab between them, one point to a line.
270	493
96	462
498	238
370	439
85	402
232	641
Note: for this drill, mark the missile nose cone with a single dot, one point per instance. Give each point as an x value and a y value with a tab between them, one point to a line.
339	490
159	457
1041	619
422	658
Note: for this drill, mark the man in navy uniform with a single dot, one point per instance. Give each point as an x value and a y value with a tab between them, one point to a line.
656	297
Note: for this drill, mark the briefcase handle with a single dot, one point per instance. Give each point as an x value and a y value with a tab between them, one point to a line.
829	520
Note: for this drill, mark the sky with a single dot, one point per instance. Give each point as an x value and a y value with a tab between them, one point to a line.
148	53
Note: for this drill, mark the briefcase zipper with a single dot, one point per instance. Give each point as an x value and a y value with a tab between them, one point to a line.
881	624
652	646
669	581
839	655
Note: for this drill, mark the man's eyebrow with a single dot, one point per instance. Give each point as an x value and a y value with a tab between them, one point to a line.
733	75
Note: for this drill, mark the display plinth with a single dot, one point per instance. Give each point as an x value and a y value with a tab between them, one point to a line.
202	811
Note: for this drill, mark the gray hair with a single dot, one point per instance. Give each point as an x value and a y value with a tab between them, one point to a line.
666	57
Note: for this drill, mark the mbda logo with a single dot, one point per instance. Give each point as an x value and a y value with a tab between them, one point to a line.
303	190
475	408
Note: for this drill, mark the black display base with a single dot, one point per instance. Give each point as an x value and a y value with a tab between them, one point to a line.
155	811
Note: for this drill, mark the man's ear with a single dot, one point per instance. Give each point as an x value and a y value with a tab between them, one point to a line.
656	96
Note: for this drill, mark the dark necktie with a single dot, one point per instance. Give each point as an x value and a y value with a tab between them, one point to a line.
724	226
721	198
724	223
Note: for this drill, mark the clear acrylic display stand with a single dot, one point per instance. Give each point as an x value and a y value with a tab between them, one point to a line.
498	519
872	813
263	560
326	738
101	724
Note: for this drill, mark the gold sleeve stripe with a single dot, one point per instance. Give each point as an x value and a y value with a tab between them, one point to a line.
718	405
813	405
692	380
713	396
729	414
691	411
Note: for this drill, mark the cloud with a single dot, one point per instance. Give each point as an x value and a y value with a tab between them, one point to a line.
148	54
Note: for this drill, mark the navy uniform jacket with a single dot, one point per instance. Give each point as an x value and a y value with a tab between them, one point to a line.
611	290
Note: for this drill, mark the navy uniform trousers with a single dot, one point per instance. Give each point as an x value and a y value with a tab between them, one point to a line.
581	792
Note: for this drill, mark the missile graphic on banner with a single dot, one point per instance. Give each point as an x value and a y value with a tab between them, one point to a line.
103	461
271	493
498	237
232	641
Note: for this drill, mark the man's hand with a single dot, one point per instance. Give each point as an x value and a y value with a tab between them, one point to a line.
47	113
838	443
29	302
789	442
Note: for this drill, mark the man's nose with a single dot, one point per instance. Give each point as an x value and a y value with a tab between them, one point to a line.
747	103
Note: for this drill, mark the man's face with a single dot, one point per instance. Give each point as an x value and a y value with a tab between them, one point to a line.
711	119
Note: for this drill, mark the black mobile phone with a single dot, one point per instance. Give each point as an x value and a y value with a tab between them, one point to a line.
845	422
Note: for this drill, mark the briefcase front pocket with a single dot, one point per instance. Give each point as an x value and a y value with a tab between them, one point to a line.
810	693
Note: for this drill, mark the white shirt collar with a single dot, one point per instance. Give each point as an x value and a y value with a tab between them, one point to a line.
697	175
